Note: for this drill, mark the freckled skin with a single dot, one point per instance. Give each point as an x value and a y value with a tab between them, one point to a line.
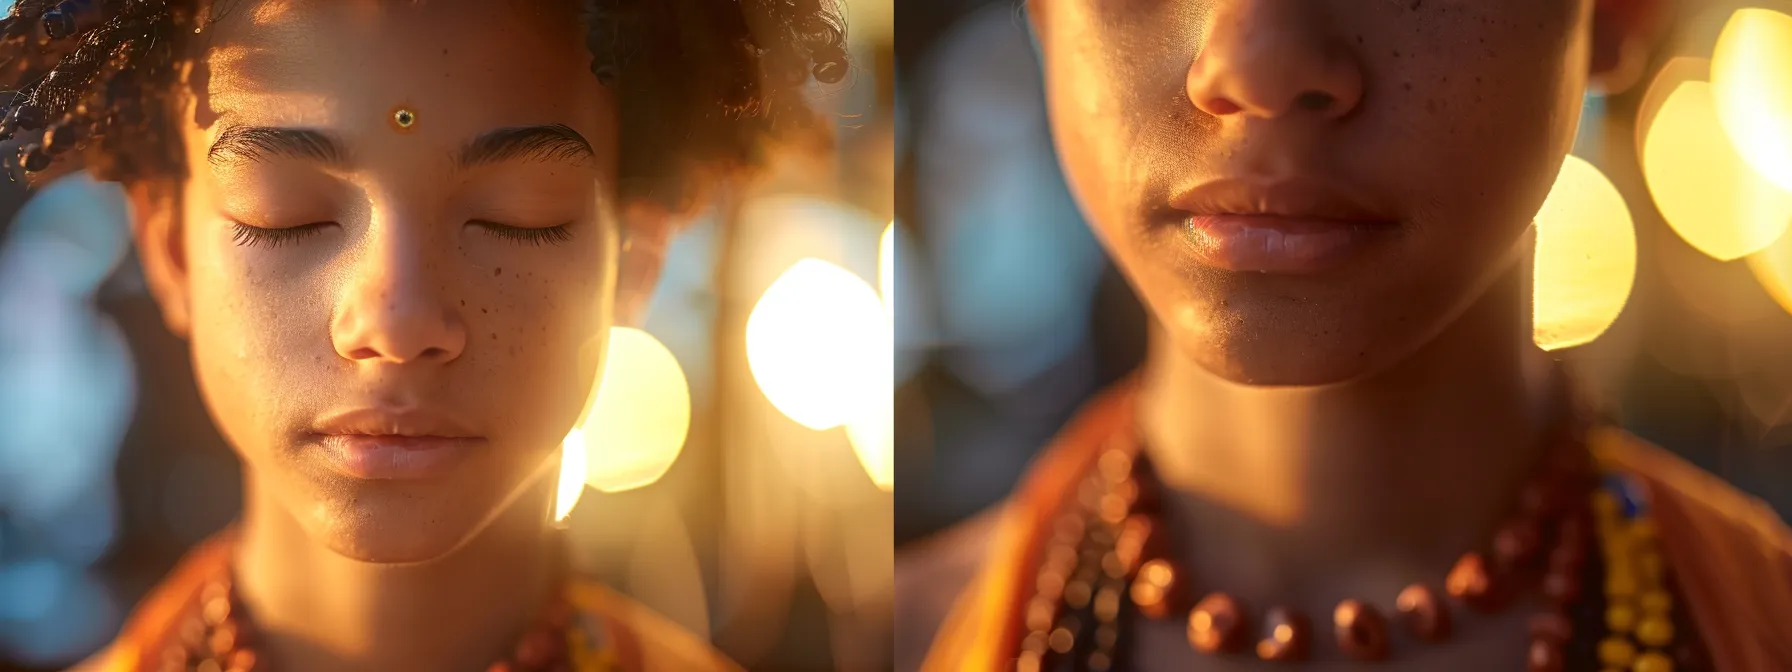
377	309
1452	115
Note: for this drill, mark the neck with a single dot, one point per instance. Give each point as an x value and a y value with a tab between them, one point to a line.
315	609
1302	495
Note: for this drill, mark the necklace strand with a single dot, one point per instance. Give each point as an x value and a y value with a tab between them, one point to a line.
1104	567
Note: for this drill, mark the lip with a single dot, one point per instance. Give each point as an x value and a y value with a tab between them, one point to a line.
1293	227
376	444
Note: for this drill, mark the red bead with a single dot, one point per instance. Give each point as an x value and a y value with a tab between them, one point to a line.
1516	545
1544	656
537	649
1362	632
501	666
1552	626
1471	582
1562	588
1216	624
1287	636
1423	614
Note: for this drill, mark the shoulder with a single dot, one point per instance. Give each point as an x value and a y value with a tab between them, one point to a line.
645	640
109	659
1730	554
931	574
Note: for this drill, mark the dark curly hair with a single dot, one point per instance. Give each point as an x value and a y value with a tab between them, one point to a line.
703	85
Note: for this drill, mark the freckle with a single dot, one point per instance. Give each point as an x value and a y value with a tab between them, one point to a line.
482	311
497	271
1408	86
1396	53
494	335
463	303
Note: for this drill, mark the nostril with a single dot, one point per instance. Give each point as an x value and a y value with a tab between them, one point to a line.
1221	107
1315	101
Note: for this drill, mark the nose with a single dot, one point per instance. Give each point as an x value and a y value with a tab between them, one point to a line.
1274	58
391	309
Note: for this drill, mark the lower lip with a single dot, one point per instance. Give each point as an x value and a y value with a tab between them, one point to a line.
395	457
1270	244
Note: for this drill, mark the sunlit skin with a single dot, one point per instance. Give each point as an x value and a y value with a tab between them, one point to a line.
1341	389
397	270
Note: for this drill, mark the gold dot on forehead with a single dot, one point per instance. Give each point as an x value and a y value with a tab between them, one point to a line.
404	118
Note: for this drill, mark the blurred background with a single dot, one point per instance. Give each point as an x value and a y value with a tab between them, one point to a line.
1669	222
736	477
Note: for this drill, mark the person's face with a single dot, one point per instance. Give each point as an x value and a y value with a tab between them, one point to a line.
396	326
1306	191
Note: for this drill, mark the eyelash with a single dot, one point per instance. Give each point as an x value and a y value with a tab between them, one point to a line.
553	235
251	236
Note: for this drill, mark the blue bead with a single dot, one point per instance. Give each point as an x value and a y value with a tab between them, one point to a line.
1632	502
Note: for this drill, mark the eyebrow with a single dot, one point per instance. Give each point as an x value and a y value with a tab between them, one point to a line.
254	144
551	143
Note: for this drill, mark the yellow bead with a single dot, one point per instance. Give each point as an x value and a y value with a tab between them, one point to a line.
1616	651
1656	602
1655	631
1653	661
1642	529
1620	584
1605	504
1650	566
1620	617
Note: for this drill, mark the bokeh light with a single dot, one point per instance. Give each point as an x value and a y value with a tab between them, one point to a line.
1751	79
1586	257
873	432
1773	269
886	269
1702	187
572	474
817	344
640	417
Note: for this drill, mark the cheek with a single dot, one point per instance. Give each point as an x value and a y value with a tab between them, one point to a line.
258	337
530	313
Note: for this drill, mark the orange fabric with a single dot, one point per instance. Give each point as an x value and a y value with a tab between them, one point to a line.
643	641
1732	556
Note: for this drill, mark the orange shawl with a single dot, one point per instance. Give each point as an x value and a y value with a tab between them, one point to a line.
1731	554
642	641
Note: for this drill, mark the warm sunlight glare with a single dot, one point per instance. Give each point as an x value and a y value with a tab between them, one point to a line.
873	432
886	268
1586	257
1751	80
641	415
1706	193
1773	269
818	345
572	474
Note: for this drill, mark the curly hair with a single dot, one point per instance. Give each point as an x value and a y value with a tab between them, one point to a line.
704	86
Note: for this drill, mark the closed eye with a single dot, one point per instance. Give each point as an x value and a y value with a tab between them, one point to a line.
251	236
552	235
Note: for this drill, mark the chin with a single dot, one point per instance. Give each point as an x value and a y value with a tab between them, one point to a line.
1278	343
394	527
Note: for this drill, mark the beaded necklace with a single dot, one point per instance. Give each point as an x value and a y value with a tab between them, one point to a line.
1575	525
214	634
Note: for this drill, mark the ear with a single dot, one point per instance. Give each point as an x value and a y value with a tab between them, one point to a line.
1626	34
155	225
647	229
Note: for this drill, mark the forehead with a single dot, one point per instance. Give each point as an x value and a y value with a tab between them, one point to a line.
346	65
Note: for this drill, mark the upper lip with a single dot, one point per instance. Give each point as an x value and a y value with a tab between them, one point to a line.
415	422
1301	197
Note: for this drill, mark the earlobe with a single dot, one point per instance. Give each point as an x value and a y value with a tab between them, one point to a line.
155	226
646	231
1625	36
